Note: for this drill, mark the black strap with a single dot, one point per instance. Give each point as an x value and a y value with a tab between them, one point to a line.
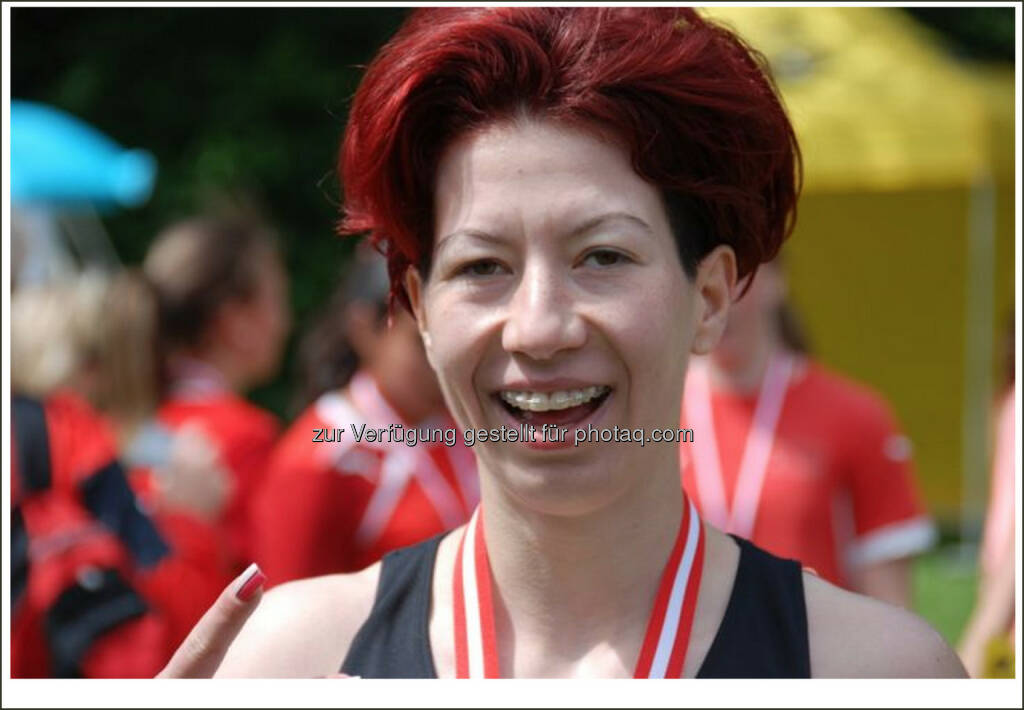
764	631
19	557
394	641
99	601
109	497
33	444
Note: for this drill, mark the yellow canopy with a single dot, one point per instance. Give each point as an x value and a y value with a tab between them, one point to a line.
876	104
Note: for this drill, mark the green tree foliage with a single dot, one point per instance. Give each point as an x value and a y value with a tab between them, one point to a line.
985	33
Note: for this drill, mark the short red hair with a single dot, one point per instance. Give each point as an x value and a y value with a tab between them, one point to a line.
693	103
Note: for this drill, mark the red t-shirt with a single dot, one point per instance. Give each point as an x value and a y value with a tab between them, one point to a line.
827	476
244	436
338	505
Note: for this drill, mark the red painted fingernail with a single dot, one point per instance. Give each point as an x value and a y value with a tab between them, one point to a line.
254	579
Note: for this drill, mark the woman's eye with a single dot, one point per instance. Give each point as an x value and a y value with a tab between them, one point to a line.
605	258
483	267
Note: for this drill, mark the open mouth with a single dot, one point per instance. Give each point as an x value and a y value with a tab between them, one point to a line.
562	408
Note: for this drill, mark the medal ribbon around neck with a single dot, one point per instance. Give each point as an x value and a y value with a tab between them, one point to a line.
739	518
668	631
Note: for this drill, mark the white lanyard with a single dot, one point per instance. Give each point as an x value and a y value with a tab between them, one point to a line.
740	518
403	461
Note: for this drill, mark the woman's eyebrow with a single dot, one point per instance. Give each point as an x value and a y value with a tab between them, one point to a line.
587	226
601	219
470	233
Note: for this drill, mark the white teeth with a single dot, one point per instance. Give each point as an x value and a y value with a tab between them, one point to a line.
547	401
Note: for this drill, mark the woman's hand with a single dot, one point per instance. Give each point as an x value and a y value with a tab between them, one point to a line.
202	651
194	478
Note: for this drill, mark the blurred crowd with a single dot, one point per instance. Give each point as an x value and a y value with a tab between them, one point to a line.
144	480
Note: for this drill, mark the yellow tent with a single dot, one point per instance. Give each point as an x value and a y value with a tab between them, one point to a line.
901	262
875	104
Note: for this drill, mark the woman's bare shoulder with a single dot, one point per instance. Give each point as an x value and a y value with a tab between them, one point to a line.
853	636
302	629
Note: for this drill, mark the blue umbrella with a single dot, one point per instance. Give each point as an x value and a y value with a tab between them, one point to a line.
57	160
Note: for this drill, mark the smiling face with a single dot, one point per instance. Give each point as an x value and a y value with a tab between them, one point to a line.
556	296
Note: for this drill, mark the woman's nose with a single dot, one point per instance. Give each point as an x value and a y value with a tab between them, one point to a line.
543	318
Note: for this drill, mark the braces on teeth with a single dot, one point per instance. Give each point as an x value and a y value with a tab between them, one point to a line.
546	401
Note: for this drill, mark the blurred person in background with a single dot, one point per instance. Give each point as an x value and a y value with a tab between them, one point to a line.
804	462
330	503
96	334
102	587
103	582
987	645
120	373
221	290
90	573
176	474
44	352
85	353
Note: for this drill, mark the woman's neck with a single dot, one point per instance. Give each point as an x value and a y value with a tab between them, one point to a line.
745	375
215	367
569	585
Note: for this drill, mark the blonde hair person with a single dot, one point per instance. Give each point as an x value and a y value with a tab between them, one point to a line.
47	328
116	331
124	348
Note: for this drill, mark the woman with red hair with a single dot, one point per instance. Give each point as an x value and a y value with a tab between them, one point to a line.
567	198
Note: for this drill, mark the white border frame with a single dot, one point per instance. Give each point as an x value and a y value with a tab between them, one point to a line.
459	694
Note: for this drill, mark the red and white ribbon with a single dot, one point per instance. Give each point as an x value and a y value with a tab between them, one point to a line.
739	518
663	653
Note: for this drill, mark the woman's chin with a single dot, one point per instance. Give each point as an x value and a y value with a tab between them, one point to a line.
578	482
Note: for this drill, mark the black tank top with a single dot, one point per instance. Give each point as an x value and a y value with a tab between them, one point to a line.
762	635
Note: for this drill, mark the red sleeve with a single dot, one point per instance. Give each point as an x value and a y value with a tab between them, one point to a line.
306	518
890	519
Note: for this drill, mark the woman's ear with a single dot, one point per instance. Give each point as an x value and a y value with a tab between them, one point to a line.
715	283
414	291
363	327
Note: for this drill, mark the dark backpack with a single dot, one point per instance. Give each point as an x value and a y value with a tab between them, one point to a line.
99	599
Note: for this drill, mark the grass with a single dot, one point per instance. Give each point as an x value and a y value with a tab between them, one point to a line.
944	584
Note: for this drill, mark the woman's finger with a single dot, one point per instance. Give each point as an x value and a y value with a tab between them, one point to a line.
201	653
